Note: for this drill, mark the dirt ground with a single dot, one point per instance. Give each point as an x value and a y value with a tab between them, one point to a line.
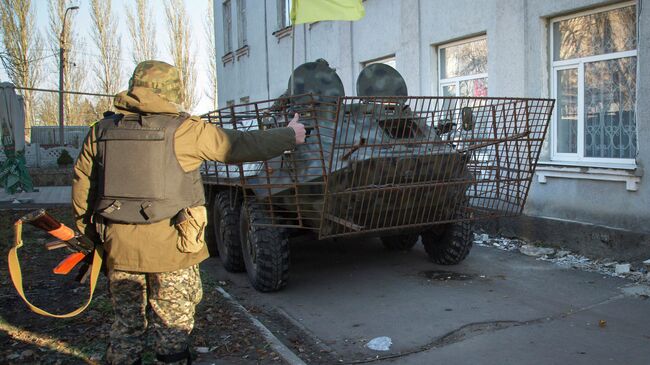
221	332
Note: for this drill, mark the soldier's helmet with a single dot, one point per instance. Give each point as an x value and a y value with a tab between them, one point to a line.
162	78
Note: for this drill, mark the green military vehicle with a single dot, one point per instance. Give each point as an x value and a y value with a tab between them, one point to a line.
382	163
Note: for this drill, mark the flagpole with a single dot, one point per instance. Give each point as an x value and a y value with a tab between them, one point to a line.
312	11
293	54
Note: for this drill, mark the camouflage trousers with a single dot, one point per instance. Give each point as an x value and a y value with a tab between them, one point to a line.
164	303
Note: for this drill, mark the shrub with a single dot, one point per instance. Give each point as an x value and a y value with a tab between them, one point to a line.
64	159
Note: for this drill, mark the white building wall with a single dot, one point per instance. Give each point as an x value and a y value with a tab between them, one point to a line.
598	201
517	34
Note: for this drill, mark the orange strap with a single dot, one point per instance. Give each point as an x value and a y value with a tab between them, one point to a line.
64	267
63	233
17	277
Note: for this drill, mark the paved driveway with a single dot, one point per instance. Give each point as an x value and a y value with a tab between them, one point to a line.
496	307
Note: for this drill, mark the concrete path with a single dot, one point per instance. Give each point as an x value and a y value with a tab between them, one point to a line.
495	308
43	195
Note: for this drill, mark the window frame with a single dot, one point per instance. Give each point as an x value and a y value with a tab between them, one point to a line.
579	64
458	79
242	37
227	25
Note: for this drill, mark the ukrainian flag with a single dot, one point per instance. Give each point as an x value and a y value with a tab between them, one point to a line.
309	11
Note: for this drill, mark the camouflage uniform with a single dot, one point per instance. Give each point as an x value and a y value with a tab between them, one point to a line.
171	296
150	276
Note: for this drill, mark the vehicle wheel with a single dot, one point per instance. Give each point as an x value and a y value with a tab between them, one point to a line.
225	223
403	242
265	249
449	244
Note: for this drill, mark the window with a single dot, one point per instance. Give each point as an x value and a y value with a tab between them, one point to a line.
284	8
227	27
245	100
241	23
463	68
390	61
594	60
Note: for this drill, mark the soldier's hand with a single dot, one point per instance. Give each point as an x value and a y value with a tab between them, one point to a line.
298	128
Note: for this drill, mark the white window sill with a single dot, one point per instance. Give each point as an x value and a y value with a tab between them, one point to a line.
227	58
630	175
284	32
242	51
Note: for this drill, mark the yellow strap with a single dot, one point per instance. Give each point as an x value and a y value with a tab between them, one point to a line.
17	278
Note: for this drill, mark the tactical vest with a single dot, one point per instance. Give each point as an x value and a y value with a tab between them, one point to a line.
140	178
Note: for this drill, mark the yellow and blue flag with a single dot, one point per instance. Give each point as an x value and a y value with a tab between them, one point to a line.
309	11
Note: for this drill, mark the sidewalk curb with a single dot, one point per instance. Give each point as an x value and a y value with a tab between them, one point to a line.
277	345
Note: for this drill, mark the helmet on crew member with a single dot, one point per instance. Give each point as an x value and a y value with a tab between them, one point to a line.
161	77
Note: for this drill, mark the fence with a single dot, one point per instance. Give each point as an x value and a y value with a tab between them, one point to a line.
37	156
49	135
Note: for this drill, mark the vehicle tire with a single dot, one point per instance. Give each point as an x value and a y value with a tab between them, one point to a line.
265	249
225	222
449	244
403	242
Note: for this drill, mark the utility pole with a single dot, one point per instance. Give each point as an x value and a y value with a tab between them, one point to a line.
61	80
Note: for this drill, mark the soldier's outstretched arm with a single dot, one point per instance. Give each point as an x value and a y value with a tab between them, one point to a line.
197	141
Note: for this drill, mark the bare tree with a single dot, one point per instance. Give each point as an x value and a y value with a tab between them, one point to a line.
143	32
107	40
181	51
75	75
46	108
21	49
211	48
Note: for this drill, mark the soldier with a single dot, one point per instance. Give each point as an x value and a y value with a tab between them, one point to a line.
137	189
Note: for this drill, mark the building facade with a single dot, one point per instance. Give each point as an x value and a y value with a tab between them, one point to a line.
587	54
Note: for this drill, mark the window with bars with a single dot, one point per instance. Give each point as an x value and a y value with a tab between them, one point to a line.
241	23
463	68
284	8
594	60
227	27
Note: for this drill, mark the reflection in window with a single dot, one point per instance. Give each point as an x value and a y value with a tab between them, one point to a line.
595	34
610	94
567	110
474	87
449	90
465	59
594	65
463	68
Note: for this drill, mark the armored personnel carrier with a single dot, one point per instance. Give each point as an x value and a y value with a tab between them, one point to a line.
382	163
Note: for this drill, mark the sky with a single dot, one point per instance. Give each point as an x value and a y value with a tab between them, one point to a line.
196	10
